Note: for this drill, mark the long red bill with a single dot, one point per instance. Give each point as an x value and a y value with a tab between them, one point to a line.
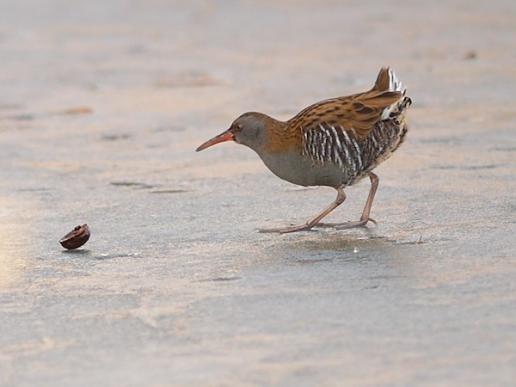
224	136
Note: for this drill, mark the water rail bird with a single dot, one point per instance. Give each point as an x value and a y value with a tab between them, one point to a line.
335	142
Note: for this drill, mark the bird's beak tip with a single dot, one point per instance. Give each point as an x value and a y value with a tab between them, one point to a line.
223	137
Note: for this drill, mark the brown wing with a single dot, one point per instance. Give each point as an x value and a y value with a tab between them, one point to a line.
358	111
356	114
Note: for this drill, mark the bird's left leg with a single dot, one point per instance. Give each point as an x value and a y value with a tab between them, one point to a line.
341	196
365	213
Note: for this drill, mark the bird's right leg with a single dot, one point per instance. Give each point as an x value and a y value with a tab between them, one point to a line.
341	196
365	213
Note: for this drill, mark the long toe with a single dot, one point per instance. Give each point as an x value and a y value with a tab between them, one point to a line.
346	225
286	230
358	223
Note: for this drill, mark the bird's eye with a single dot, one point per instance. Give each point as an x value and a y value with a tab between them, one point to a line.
237	127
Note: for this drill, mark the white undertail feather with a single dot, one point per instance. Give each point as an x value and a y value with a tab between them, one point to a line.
394	85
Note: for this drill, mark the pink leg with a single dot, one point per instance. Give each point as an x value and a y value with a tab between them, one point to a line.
365	213
341	196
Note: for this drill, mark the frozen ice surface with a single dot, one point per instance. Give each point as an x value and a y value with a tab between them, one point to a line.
102	106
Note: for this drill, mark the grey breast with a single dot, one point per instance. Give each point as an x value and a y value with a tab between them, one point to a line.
299	169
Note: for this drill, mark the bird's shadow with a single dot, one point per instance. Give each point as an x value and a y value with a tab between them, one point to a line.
341	246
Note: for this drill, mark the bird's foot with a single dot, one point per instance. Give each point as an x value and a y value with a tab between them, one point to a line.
286	230
346	225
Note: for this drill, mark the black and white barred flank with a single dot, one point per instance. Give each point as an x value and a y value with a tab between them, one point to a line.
326	142
332	143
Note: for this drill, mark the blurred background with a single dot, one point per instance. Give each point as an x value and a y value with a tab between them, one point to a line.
102	104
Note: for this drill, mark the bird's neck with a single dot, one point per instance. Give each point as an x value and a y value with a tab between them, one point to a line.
280	137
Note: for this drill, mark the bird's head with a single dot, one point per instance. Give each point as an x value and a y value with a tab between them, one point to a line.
249	129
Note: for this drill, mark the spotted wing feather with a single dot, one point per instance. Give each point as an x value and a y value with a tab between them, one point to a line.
359	111
352	131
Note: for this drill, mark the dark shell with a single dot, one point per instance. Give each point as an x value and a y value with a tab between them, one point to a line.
76	238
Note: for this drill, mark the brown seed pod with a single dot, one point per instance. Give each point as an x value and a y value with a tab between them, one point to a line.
76	238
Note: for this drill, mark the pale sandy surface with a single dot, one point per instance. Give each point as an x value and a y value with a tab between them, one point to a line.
176	287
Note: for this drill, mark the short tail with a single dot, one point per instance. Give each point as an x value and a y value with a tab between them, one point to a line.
388	81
